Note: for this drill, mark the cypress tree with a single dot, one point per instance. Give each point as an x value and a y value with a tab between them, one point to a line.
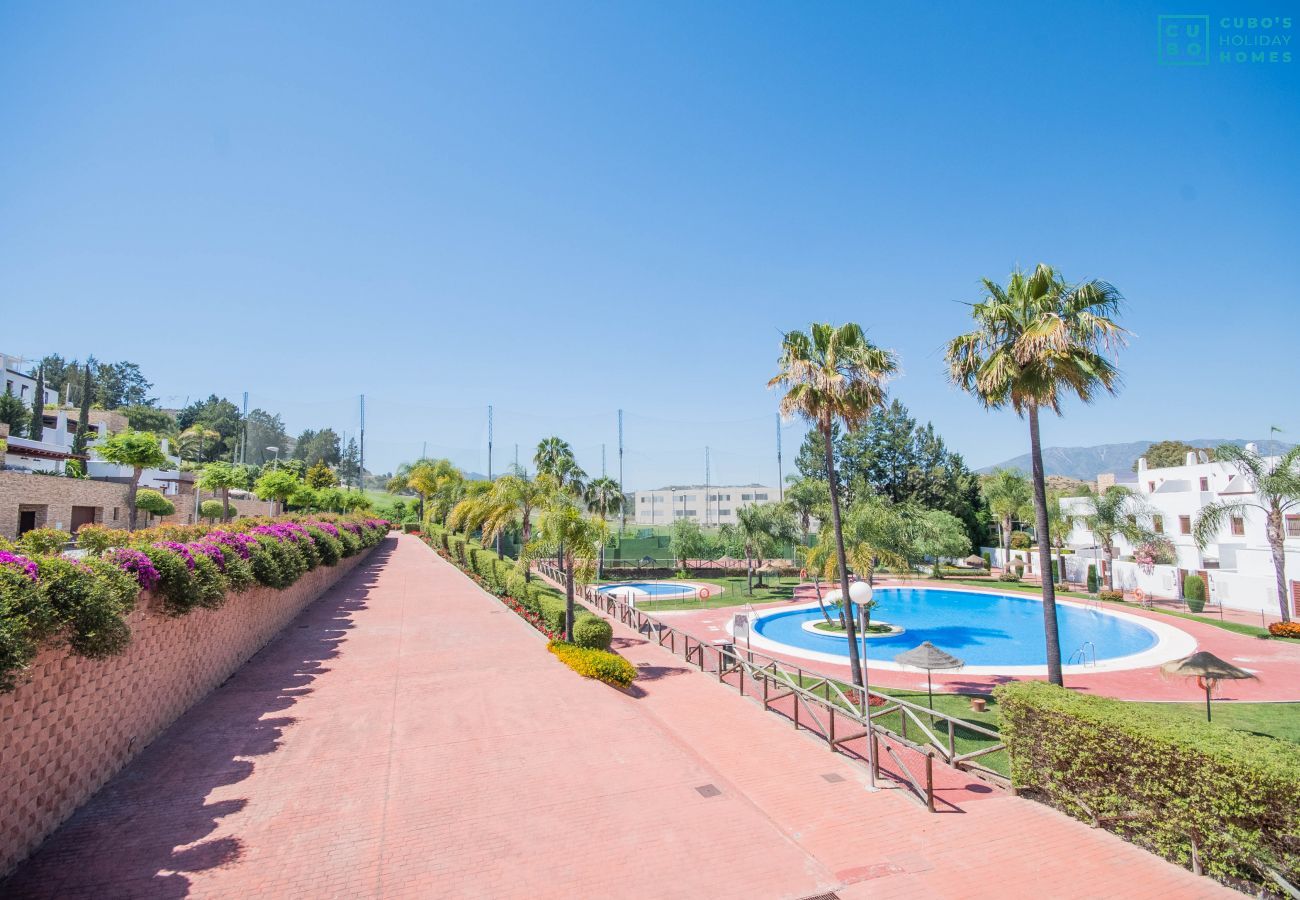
36	429
83	420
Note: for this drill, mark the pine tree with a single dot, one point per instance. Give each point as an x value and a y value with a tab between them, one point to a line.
36	430
13	413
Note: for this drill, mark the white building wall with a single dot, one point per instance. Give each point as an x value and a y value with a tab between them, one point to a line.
716	505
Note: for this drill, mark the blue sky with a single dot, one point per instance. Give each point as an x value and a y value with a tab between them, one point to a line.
564	209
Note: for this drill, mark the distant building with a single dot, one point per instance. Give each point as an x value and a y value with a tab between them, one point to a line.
712	505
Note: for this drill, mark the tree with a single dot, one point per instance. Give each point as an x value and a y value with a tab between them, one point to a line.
222	476
834	375
198	444
1274	490
263	429
1120	512
765	529
318	446
211	510
214	414
13	412
321	476
121	384
152	502
604	498
1010	498
148	418
565	530
688	541
36	429
522	496
439	484
808	498
1035	342
82	437
276	485
350	464
138	449
941	534
1162	454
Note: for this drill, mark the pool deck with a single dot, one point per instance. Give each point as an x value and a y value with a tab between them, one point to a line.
1276	663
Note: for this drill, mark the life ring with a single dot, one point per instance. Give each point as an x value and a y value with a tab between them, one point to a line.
704	593
1140	595
803	573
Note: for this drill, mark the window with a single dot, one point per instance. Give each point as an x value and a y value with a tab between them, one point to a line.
1238	525
744	497
1185	524
727	512
1158	523
764	497
1205	484
1293	526
115	519
1151	487
691	512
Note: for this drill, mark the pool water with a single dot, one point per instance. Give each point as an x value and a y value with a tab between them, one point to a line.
981	629
653	588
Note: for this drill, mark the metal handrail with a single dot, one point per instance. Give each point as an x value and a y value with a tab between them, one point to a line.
822	698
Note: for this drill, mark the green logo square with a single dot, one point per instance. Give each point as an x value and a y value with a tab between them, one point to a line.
1184	40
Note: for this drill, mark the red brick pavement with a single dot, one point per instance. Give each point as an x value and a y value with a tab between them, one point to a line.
408	736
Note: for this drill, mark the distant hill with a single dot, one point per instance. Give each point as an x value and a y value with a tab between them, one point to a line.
1086	463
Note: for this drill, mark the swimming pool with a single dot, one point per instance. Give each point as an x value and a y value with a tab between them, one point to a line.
655	590
990	632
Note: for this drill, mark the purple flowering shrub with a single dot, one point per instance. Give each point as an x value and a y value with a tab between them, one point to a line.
135	563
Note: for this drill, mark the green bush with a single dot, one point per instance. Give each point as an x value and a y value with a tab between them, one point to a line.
1020	540
209	584
988	560
1111	595
88	601
43	541
328	546
1007	576
211	509
1093	581
593	632
1194	592
153	502
599	664
20	608
175	583
1158	779
272	565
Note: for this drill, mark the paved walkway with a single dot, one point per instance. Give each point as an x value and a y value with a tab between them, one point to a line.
410	737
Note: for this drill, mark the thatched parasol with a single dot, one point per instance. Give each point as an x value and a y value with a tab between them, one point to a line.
1207	669
929	657
975	562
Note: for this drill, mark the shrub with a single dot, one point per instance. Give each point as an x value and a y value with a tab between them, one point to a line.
1020	540
351	543
988	560
153	502
211	509
328	546
96	539
88	601
592	632
270	562
1159	779
43	541
1009	576
599	664
1194	592
1285	629
1093	581
175	584
1113	596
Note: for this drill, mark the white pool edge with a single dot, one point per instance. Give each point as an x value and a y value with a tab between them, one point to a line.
1171	643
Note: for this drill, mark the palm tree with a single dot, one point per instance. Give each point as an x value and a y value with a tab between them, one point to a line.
807	499
550	451
831	375
554	457
564	529
1010	497
195	442
1035	342
439	484
874	532
524	496
604	498
1275	489
764	527
1119	512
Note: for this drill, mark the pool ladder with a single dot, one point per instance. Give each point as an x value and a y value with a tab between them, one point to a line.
1082	654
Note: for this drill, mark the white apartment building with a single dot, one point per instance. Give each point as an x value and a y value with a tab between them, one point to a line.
1238	565
708	505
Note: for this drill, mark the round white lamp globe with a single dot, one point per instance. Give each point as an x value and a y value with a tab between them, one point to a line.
860	592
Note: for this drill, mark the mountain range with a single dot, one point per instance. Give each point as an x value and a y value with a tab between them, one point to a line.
1086	463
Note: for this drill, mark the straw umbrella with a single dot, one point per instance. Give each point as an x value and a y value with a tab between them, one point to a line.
766	569
1208	670
929	657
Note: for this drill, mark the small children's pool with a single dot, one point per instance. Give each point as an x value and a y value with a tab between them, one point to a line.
657	590
989	632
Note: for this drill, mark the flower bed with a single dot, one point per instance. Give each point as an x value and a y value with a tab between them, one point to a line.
51	598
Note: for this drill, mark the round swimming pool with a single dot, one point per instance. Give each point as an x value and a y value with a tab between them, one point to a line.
990	632
655	590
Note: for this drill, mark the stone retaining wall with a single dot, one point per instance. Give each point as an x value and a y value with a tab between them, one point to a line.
75	722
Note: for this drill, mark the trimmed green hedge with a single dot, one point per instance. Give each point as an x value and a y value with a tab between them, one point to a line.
1194	593
593	632
1159	780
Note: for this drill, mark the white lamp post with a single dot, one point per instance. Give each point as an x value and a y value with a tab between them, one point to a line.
860	593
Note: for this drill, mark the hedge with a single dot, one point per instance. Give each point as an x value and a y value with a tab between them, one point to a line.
1194	592
599	664
48	597
1158	780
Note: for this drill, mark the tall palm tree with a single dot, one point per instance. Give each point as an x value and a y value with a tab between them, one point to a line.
1119	512
565	529
1010	497
554	457
523	496
604	498
550	451
1274	489
834	374
1035	342
764	528
807	499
